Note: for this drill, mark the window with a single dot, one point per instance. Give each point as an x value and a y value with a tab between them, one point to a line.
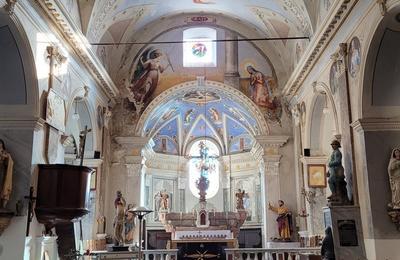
199	47
204	154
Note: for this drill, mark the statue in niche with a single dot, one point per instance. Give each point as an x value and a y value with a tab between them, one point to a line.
164	200
129	224
336	181
119	219
239	199
6	171
394	178
284	220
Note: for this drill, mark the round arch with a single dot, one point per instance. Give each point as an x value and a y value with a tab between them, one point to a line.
320	89
29	107
217	87
373	43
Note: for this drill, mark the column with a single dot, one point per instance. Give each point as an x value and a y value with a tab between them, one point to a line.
272	192
231	60
269	148
134	180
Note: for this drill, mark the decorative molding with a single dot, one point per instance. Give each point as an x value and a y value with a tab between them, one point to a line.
382	6
10	6
376	124
313	160
317	46
29	123
133	160
272	168
79	45
133	170
132	141
272	140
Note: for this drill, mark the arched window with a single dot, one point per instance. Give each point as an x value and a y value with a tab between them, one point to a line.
199	47
204	162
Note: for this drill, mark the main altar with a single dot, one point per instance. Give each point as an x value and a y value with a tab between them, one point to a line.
204	232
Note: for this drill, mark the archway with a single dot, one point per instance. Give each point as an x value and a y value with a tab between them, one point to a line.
378	133
188	112
19	113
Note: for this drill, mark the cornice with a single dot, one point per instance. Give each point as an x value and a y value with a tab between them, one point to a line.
28	123
272	140
314	160
132	141
376	124
79	45
317	45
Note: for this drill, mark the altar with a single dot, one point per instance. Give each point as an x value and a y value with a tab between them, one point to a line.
203	234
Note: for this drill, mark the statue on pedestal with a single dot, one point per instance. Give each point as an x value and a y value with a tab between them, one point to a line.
239	199
164	203
394	178
336	181
284	220
119	219
6	171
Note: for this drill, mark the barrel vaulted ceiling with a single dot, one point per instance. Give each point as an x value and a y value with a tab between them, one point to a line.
143	20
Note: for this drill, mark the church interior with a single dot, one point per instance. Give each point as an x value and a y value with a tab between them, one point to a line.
199	129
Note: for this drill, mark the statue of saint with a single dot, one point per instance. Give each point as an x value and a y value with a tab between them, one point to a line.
6	171
119	218
284	220
336	181
164	201
394	178
129	224
239	199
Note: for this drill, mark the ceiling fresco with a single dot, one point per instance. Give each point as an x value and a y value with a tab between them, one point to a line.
142	12
142	21
198	114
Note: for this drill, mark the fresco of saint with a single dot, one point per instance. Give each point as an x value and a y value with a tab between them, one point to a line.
262	90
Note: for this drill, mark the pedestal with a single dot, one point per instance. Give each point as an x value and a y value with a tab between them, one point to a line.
49	248
347	231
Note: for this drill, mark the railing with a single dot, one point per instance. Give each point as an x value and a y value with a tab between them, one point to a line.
162	254
271	253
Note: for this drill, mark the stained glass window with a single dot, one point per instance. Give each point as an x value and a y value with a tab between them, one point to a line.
199	50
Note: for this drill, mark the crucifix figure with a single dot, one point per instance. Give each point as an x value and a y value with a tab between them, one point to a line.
82	143
31	201
205	165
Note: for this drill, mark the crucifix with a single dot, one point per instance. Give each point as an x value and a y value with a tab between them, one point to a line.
31	200
82	143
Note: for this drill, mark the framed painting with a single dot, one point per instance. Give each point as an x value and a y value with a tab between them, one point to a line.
316	176
55	111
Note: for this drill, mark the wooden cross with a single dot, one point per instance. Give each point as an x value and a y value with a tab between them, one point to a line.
82	143
31	200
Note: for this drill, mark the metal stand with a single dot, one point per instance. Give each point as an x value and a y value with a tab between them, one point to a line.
140	212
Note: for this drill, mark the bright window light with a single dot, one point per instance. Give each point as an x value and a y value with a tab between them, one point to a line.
199	50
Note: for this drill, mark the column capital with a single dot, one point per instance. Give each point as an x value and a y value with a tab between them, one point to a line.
132	141
268	141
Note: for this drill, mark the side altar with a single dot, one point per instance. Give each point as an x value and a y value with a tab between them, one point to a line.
204	233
